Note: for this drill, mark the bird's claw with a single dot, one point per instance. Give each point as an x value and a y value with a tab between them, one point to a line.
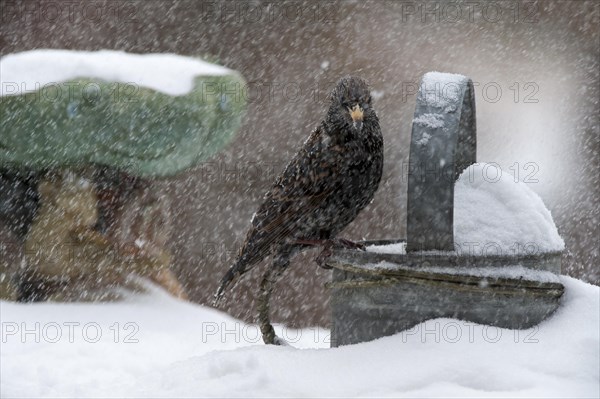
339	243
348	244
325	254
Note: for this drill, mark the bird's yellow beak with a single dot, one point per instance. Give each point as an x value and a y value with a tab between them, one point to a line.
356	113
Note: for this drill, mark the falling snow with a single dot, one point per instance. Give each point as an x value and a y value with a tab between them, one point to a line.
535	72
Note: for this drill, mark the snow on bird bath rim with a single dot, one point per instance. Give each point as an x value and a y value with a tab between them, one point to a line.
168	73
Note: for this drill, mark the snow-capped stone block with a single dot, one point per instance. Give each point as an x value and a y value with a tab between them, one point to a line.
148	114
480	246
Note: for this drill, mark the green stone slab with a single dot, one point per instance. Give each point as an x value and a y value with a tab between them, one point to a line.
137	129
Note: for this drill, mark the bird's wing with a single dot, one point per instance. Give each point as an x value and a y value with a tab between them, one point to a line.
298	193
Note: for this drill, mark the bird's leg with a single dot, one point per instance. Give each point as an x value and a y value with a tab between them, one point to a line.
264	294
325	254
328	246
310	242
267	284
332	242
348	244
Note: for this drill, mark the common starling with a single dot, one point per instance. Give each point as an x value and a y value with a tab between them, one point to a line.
323	188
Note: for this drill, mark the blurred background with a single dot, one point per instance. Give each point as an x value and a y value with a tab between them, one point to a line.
535	66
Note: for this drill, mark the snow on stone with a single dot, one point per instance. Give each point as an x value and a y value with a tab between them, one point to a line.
495	215
167	73
424	139
432	121
177	349
431	78
516	272
442	90
398	248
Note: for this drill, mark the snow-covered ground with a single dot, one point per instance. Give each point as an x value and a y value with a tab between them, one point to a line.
155	346
168	73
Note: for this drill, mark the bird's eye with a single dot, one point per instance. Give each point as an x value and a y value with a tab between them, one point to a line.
365	106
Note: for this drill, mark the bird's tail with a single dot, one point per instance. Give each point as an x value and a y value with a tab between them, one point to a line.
235	270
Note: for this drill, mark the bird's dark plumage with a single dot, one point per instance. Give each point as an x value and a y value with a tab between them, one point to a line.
329	181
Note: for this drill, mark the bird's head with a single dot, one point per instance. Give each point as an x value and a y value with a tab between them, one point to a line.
351	103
